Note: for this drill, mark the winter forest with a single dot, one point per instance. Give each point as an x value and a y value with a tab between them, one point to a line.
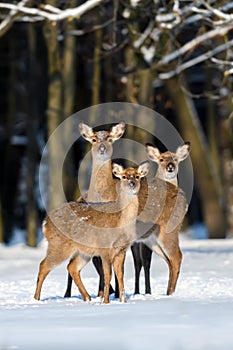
59	57
151	75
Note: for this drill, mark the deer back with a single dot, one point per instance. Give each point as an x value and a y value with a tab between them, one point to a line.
160	203
101	224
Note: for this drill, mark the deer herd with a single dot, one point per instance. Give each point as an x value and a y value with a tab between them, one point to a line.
118	212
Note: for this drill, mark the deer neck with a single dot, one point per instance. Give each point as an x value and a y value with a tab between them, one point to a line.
128	205
160	175
102	185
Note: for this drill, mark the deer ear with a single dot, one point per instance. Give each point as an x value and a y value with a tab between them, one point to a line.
182	152
117	131
86	131
144	168
117	169
153	153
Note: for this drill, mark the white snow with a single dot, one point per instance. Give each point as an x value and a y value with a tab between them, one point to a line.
198	316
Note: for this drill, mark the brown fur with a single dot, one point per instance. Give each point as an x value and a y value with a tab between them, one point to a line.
163	205
102	186
80	230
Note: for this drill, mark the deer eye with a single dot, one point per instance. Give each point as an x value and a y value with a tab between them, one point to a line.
137	177
124	177
161	160
110	140
94	140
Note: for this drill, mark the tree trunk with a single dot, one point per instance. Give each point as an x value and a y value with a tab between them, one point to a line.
212	207
145	98
227	166
54	113
32	151
96	70
130	97
96	80
69	80
10	159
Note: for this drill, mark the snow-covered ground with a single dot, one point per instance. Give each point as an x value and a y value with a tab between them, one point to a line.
198	316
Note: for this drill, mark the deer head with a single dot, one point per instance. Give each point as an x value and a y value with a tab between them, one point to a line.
102	140
130	177
168	162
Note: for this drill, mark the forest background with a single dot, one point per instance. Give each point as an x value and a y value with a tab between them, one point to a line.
59	57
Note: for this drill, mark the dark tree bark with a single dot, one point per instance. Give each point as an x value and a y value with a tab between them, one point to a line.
212	206
32	150
54	110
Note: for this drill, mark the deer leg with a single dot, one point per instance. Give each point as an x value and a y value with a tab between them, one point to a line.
146	254
167	246
53	258
69	286
174	270
44	270
107	278
117	293
74	267
137	265
118	266
99	268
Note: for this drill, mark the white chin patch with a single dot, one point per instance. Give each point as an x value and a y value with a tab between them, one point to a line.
132	191
103	156
170	175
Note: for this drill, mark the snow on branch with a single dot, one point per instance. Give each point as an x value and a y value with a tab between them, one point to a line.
7	22
50	8
219	13
48	12
194	43
201	58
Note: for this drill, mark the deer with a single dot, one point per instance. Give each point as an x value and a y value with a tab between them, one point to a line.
81	230
171	199
165	192
102	186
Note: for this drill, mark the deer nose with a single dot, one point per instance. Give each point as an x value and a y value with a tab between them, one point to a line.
131	183
102	149
170	167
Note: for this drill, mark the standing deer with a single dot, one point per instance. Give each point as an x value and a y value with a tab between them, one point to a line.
102	184
163	243
81	230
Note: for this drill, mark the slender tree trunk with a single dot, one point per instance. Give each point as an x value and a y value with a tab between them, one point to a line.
227	166
32	151
145	98
109	91
130	96
212	127
96	70
226	160
213	210
9	176
96	80
69	80
54	112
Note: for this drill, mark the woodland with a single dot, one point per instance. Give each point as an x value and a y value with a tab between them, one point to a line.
58	57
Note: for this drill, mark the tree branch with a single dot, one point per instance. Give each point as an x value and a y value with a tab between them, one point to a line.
56	15
193	62
9	20
218	12
194	43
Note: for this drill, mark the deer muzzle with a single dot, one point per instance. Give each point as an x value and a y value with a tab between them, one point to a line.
131	184
170	167
102	149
